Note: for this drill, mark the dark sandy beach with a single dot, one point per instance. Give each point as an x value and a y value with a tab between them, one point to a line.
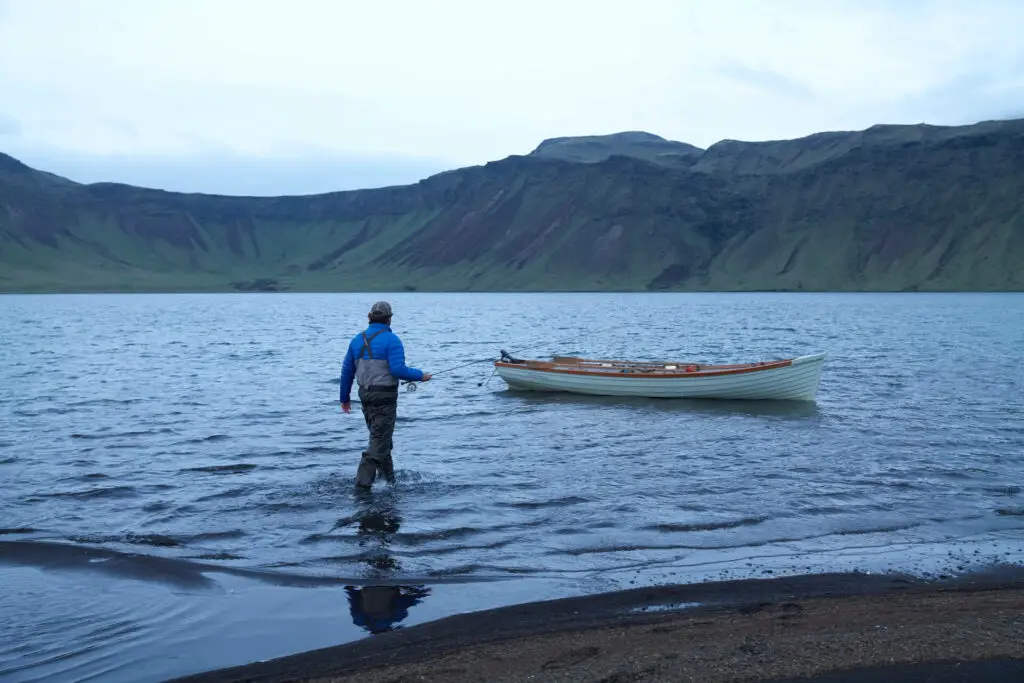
837	628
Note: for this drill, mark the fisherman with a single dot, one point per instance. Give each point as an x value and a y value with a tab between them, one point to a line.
376	361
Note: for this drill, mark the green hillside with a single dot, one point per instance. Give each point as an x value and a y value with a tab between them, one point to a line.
888	208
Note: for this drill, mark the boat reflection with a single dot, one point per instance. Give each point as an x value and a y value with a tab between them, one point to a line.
784	409
379	608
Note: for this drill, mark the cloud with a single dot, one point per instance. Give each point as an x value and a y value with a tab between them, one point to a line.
309	172
465	82
9	126
766	80
1000	90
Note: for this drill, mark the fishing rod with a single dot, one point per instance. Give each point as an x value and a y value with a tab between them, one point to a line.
411	385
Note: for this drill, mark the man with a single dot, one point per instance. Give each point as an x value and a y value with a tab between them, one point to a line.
376	360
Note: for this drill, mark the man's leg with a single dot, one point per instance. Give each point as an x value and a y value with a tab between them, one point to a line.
379	412
367	470
387	417
381	431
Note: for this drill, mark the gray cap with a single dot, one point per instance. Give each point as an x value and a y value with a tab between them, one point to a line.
382	308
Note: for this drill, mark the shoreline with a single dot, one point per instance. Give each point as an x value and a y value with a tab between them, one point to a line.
391	291
776	629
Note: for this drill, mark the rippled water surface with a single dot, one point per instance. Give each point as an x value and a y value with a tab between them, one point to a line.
204	430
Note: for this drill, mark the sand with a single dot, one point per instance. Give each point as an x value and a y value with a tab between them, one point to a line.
965	629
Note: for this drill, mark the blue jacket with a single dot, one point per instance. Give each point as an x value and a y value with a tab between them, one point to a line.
384	345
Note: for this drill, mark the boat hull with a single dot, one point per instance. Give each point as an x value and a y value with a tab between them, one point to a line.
795	379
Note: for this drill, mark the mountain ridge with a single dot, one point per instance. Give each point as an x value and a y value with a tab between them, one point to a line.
889	208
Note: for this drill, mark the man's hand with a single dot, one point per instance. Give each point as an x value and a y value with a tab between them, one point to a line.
346	407
426	377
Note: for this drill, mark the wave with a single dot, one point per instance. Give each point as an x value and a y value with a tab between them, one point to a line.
118	435
123	491
213	438
707	526
240	468
542	504
155	540
187	573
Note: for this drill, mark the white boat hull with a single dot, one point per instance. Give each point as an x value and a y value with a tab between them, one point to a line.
795	380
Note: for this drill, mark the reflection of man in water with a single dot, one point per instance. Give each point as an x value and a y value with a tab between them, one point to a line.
381	608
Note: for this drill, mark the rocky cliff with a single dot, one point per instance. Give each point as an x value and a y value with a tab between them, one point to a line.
888	208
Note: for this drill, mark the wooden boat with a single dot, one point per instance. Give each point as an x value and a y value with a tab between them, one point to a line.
791	379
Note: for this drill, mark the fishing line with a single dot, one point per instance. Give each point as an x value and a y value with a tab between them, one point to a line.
411	386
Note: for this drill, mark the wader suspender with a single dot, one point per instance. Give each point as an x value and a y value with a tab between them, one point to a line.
366	344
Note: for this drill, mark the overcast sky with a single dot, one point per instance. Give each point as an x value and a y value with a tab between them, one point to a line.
298	96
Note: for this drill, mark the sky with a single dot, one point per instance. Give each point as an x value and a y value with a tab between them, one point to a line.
304	96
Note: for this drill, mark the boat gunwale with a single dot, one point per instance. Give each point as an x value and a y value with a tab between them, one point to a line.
552	367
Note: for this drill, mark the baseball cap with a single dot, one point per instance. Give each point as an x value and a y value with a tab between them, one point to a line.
382	308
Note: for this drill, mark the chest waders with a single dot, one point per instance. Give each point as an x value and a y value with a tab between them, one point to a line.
378	396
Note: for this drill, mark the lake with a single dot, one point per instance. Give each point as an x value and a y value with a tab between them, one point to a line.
177	474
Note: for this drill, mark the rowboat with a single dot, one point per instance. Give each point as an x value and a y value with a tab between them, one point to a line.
789	379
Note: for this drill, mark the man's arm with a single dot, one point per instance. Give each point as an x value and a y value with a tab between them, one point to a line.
396	362
348	373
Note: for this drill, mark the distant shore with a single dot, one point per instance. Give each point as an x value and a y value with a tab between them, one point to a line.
835	628
6	289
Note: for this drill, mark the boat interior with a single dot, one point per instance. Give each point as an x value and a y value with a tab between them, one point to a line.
575	364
